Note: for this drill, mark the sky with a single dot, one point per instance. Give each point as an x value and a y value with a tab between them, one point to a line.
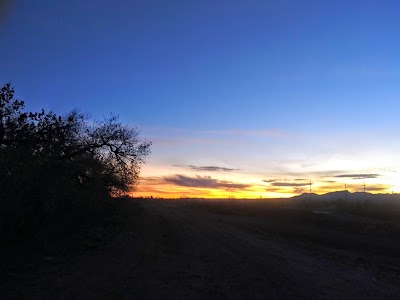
242	99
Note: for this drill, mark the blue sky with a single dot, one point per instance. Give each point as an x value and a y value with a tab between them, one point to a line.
260	86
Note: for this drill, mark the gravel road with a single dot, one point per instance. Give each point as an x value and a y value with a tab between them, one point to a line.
184	250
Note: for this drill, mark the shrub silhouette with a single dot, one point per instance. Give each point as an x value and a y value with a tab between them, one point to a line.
53	165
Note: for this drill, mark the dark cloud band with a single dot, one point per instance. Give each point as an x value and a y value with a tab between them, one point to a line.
203	182
357	176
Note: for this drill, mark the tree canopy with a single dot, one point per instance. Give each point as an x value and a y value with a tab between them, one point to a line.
50	162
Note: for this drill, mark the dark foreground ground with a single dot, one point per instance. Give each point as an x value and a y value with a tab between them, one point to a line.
159	249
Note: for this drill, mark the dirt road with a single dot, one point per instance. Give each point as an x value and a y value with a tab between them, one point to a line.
183	250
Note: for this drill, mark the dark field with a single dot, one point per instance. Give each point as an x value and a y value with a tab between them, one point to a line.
218	249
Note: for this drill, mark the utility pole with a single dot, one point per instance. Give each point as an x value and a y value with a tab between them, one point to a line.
365	195
310	189
345	190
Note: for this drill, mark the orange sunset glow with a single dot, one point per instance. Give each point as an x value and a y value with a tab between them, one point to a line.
266	163
216	184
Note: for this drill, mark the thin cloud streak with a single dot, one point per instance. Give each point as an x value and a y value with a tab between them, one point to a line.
271	180
288	184
380	188
314	174
358	176
207	168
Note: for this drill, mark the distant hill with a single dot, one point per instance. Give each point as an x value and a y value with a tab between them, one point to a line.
346	195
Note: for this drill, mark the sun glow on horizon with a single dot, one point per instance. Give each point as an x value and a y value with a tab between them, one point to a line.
245	164
193	184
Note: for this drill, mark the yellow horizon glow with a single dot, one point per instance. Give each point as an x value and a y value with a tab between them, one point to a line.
173	191
209	194
152	185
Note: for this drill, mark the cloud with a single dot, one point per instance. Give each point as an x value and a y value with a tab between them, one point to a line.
271	180
287	189
313	174
358	176
306	165
299	190
203	182
289	184
150	180
274	190
207	168
296	183
377	188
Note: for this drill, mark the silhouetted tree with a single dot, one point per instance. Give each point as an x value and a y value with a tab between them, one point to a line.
50	163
